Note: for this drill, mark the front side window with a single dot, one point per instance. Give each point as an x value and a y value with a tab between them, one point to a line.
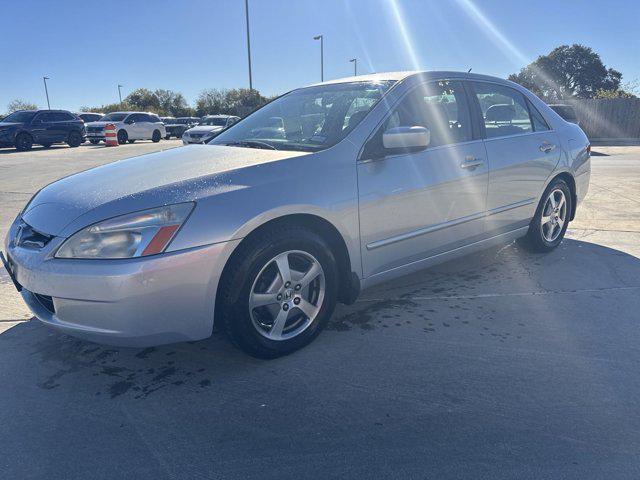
19	117
309	119
439	106
504	110
113	117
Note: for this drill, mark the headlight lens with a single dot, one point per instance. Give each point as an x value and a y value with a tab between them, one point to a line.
133	235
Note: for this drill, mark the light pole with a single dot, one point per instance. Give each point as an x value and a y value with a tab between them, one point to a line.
120	93
321	38
44	79
246	12
355	66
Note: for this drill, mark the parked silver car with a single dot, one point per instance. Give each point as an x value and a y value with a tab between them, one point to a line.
208	127
325	191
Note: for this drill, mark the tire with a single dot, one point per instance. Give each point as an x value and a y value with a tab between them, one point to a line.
554	210
47	145
94	142
123	137
24	142
168	137
254	268
155	138
132	141
74	140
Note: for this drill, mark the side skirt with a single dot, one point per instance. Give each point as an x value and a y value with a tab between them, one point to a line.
443	257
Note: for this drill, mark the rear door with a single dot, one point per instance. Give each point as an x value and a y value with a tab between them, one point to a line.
522	152
416	204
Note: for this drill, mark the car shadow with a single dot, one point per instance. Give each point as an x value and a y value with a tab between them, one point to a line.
431	342
501	271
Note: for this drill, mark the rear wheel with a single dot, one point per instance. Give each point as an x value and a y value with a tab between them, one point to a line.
167	137
551	220
132	141
94	142
24	142
74	140
47	145
279	292
123	137
155	138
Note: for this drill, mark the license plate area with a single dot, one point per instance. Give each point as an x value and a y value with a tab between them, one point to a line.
10	268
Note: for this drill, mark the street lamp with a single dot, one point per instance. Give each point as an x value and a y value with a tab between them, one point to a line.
355	66
120	93
246	12
44	79
321	38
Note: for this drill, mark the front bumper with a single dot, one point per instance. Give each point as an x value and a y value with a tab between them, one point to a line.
191	140
131	302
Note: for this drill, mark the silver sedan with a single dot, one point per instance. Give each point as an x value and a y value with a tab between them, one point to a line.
323	192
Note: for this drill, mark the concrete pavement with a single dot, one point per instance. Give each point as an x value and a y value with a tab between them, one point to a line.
499	365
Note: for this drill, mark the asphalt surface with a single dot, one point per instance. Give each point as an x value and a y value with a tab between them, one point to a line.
498	365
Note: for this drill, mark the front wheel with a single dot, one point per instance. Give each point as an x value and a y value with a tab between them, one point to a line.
279	292
167	137
551	220
122	137
24	142
155	138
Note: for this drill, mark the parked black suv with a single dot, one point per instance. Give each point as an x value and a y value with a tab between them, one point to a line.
23	128
177	126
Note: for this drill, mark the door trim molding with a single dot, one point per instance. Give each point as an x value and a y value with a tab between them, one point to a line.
451	223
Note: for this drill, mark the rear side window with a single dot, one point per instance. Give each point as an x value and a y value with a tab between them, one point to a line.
504	110
46	117
539	123
155	119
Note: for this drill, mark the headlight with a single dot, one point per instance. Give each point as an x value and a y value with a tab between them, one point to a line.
133	235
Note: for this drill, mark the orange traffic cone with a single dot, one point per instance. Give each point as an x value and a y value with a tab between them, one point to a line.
110	136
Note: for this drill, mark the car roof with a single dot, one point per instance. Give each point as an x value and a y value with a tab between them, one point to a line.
403	75
91	113
218	116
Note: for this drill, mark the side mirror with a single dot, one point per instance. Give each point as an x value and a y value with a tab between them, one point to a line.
406	138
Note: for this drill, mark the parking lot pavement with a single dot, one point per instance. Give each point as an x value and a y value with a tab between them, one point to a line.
503	364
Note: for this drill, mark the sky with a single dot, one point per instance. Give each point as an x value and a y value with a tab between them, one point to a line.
88	47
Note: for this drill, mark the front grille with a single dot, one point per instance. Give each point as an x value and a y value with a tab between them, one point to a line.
27	237
196	135
46	301
94	129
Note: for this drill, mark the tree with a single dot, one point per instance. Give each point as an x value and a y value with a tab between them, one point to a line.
568	71
237	101
143	99
19	104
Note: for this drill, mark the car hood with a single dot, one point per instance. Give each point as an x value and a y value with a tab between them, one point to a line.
170	176
205	129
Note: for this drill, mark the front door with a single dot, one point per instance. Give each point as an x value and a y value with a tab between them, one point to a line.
522	152
415	204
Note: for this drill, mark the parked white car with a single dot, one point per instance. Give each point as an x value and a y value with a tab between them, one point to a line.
209	127
130	126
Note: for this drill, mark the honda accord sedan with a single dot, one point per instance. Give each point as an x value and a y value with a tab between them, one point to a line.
323	192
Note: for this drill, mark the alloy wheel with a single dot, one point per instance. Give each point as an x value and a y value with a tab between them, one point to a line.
287	295
554	215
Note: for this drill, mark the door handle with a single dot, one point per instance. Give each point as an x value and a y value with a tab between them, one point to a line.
471	162
547	147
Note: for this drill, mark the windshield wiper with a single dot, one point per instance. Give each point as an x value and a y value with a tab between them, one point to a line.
251	144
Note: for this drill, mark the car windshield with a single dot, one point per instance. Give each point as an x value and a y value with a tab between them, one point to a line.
114	117
308	119
19	117
169	120
214	121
